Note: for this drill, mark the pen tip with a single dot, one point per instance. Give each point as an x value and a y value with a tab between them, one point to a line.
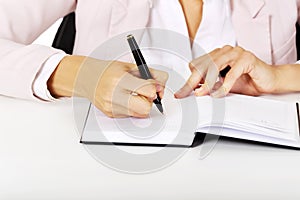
160	108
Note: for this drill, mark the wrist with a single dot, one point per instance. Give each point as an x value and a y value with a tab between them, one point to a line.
62	81
287	78
277	88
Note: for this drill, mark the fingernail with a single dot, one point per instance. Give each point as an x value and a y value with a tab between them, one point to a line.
158	88
154	96
199	91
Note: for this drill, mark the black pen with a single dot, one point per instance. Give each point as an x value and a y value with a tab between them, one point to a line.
142	66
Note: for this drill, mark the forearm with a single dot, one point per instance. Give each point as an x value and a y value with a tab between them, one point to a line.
287	78
76	76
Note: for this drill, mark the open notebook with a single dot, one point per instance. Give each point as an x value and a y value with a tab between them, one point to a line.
270	119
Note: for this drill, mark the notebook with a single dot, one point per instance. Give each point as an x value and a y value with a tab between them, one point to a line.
270	119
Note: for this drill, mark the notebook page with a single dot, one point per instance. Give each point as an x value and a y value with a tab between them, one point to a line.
259	115
167	128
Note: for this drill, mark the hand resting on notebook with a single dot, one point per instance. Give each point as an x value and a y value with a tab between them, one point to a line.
247	75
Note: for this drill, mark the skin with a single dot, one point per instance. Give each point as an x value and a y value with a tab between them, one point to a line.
248	75
113	87
192	10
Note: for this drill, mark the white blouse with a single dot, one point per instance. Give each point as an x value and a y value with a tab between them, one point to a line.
215	29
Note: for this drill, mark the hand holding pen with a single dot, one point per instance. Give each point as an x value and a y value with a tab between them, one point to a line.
142	66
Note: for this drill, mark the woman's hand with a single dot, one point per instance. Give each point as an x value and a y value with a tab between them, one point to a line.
247	75
113	87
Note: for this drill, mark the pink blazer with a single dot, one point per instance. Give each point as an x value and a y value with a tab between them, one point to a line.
265	27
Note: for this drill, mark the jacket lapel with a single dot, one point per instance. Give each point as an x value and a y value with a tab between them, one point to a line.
252	27
255	7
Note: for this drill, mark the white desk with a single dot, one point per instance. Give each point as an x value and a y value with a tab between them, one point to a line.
41	158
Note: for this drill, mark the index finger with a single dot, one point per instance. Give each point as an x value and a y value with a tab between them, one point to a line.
160	78
236	71
190	85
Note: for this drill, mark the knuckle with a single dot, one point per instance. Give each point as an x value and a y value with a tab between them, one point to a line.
227	47
148	89
238	48
192	65
213	51
160	75
247	55
218	61
193	70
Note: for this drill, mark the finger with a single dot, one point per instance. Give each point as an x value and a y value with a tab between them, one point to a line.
199	68
119	112
129	67
199	73
127	105
190	85
111	107
203	90
130	110
211	76
159	76
220	60
237	70
132	84
140	106
132	105
227	57
204	59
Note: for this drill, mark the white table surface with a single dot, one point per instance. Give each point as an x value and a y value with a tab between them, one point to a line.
41	158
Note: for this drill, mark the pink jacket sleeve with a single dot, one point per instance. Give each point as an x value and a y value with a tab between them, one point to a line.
21	22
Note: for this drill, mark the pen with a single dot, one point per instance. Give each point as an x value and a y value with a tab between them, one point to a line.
142	66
